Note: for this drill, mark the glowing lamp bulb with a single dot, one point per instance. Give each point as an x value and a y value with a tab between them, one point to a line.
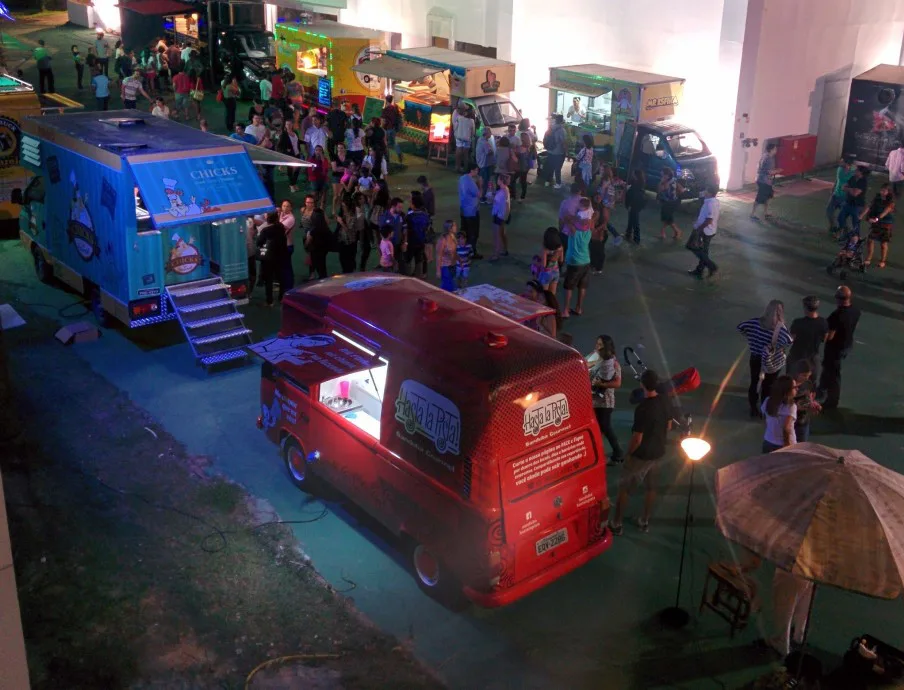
695	448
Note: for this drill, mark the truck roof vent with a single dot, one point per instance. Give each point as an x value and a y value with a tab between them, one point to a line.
495	340
426	305
124	122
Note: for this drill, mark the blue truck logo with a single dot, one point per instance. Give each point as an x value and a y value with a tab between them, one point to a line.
80	228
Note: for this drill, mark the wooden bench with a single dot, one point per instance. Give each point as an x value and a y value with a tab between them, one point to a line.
734	596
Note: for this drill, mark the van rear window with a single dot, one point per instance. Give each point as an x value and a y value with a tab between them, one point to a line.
546	465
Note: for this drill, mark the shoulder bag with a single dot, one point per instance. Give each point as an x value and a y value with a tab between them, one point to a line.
197	93
773	357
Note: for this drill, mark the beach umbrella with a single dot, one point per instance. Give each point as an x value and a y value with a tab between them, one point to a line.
831	516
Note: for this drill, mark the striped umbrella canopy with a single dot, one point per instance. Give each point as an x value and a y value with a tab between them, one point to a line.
831	516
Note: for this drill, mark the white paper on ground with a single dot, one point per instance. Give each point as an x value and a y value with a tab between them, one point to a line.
9	318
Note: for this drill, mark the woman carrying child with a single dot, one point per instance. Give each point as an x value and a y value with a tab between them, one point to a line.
551	257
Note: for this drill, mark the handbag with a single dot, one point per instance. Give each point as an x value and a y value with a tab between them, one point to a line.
197	93
219	95
773	357
695	241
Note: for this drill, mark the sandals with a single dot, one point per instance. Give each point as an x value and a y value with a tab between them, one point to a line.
867	263
881	264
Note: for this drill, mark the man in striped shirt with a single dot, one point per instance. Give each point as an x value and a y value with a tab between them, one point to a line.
131	87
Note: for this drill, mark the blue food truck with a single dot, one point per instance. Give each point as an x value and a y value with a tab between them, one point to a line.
146	218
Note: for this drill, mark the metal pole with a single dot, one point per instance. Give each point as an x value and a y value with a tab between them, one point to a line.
212	45
687	519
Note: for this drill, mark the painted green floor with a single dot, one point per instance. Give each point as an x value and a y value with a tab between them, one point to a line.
594	628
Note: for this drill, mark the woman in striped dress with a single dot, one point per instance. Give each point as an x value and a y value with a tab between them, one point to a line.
760	333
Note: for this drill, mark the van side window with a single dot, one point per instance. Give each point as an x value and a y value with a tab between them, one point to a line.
649	144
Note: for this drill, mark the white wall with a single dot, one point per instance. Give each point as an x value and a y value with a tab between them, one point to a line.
409	17
798	69
699	41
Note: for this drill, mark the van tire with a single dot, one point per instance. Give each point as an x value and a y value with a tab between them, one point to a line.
296	464
43	270
434	577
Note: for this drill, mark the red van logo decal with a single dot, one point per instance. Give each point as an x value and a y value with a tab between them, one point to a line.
551	411
424	411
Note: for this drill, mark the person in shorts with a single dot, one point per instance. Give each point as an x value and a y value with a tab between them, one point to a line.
645	452
577	259
463	254
463	130
881	214
765	176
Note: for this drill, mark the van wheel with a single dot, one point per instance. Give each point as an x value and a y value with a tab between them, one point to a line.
43	270
296	464
434	578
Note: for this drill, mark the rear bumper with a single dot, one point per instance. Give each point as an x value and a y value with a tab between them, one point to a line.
521	589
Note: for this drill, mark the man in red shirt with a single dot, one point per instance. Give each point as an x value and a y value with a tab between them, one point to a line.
278	94
182	85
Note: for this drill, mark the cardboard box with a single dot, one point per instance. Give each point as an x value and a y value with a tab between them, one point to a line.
80	332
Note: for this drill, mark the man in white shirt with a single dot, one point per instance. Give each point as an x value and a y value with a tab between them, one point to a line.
257	129
895	165
185	54
704	230
315	135
463	131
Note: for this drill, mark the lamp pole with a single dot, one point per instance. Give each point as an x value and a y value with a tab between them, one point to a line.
674	616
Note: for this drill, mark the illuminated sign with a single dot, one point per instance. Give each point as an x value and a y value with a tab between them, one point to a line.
324	91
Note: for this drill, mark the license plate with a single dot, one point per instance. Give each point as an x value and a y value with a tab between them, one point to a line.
551	541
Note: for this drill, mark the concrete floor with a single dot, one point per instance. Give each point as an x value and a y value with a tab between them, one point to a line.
594	628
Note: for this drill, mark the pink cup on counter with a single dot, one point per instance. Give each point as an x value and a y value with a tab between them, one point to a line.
343	389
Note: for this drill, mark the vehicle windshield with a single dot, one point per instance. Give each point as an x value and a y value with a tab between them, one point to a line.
255	43
500	114
686	145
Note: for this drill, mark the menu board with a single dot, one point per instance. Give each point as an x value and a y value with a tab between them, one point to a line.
440	124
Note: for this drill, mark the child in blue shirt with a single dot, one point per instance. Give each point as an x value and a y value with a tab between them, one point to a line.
463	252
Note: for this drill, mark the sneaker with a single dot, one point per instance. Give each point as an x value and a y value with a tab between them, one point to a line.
617	530
557	186
695	273
643	526
618	240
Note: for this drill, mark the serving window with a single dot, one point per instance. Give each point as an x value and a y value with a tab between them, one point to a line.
313	59
358	397
593	113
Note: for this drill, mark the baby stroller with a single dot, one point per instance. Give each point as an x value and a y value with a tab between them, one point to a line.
850	258
682	382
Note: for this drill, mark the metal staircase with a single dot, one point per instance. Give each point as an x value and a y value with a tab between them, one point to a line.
211	321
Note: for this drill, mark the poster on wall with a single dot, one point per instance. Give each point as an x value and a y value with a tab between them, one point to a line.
875	122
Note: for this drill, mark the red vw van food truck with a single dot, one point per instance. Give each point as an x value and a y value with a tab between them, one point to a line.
466	434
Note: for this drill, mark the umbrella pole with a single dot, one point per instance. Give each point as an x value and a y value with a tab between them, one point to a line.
803	644
675	616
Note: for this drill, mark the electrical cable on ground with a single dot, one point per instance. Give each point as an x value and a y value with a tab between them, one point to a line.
284	659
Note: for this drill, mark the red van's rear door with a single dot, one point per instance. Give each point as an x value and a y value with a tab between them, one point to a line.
547	493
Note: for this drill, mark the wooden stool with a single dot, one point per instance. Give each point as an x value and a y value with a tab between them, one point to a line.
734	597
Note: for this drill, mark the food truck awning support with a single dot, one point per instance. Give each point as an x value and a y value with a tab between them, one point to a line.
198	186
579	89
313	358
395	69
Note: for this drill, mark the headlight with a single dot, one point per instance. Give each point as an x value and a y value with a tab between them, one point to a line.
249	74
685	174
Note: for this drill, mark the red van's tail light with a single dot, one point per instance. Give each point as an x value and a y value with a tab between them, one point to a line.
260	422
427	305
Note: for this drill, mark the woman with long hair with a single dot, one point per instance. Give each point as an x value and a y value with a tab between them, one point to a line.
378	207
305	226
767	337
605	377
780	411
317	175
881	214
551	323
232	92
339	166
606	194
362	228
347	235
447	256
288	144
318	242
584	159
551	257
354	140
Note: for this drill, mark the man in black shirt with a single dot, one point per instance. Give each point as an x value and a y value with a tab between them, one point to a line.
645	451
854	200
809	333
274	253
839	341
336	123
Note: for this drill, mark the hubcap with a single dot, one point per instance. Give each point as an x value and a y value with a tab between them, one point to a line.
297	464
426	565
